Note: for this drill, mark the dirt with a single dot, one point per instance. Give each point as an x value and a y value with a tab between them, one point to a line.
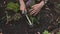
48	21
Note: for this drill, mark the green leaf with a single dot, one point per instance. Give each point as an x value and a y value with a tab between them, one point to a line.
46	32
58	6
13	6
33	19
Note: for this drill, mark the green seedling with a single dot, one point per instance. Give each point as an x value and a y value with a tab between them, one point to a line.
13	6
46	32
17	16
58	6
33	19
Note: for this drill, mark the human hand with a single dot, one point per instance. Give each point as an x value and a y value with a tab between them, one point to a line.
35	9
22	8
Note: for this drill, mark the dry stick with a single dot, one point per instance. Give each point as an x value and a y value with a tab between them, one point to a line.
55	30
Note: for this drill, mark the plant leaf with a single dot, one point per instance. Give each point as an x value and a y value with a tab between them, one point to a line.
46	32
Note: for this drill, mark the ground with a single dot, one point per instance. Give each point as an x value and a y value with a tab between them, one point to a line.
49	20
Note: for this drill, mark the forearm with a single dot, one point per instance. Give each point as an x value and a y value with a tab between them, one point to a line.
42	3
21	2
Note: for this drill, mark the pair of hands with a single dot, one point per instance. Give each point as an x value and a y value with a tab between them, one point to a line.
33	11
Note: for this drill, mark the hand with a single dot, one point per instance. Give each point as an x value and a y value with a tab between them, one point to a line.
22	8
35	9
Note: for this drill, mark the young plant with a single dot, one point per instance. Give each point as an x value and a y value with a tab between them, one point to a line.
58	6
13	6
46	32
33	19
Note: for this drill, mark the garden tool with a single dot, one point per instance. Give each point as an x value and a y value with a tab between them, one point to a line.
29	21
28	3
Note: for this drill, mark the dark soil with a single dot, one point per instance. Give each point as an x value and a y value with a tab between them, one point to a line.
48	21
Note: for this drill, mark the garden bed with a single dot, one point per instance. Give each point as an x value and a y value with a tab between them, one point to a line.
49	20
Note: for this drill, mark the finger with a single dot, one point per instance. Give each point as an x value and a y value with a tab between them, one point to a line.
33	6
22	11
36	13
32	12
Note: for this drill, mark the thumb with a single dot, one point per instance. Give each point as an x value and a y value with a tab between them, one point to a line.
33	6
22	11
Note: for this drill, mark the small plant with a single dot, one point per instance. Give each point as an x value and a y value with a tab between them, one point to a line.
58	6
33	19
13	6
17	16
46	32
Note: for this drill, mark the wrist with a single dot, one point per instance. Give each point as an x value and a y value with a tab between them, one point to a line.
21	2
41	3
44	1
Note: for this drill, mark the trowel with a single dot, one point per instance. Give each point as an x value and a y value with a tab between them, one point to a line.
29	21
